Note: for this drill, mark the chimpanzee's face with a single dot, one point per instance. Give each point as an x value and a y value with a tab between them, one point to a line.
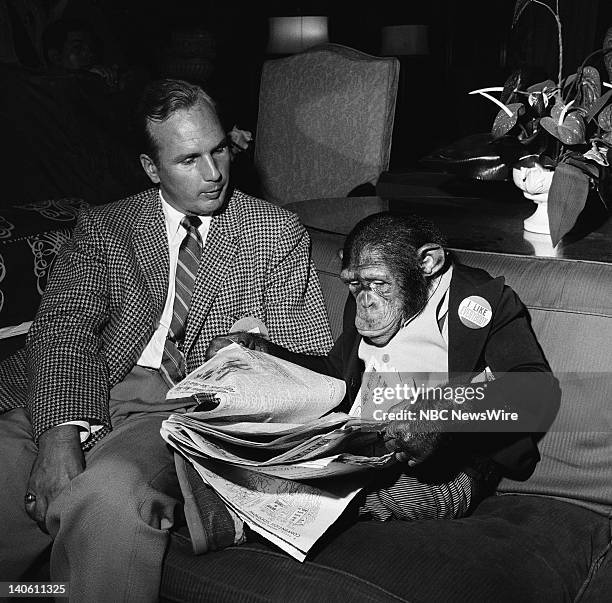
378	295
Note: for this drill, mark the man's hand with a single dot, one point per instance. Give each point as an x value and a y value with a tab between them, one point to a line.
59	460
247	340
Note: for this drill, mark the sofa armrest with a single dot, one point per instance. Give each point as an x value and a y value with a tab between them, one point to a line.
30	238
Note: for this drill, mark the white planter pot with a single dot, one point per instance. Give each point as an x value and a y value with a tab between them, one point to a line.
538	220
535	183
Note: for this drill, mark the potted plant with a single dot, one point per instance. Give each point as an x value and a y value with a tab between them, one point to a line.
565	128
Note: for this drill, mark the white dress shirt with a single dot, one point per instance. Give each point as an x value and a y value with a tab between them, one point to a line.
151	356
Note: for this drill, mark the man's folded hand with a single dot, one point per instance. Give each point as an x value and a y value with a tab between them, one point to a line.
60	459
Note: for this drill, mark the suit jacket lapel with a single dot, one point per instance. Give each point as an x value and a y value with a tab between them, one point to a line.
217	258
151	246
466	344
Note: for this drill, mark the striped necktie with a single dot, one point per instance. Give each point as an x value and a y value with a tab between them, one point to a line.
173	359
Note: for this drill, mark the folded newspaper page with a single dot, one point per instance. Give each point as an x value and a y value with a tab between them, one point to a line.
288	498
248	383
290	514
334	452
267	443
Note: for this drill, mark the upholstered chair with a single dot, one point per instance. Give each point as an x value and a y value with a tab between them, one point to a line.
325	122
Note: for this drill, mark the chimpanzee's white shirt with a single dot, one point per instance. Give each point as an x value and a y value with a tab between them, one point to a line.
418	353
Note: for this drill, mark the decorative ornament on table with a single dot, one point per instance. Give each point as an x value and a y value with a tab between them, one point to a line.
566	131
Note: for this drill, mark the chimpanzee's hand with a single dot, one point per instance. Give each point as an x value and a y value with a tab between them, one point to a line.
409	439
251	341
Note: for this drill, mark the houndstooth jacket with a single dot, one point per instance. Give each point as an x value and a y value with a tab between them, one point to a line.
108	288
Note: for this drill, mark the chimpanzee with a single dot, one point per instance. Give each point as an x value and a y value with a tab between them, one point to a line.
419	322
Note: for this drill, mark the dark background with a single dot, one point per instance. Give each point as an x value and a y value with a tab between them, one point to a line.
471	46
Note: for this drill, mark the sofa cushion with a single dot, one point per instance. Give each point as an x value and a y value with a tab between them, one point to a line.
570	304
514	548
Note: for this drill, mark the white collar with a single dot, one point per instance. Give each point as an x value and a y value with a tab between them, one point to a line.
173	218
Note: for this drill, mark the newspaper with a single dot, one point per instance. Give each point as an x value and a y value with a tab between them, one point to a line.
248	383
269	445
291	514
317	450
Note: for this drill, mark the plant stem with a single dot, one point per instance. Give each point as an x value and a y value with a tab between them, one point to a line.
559	35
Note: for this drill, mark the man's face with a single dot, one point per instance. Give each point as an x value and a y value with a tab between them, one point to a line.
193	161
77	52
377	293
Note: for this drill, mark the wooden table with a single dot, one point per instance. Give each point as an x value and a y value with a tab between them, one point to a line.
473	223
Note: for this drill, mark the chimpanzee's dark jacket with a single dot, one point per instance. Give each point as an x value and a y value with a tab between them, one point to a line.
506	345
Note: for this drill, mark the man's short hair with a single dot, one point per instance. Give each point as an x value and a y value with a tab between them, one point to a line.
161	99
396	237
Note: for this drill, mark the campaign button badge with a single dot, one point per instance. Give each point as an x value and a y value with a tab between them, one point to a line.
475	312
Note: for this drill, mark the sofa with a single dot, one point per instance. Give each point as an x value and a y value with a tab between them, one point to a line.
545	539
31	234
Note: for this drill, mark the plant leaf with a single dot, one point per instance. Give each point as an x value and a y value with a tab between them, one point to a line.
510	85
590	87
504	123
550	125
569	79
590	169
598	104
537	103
556	111
567	197
607	59
572	130
547	162
519	7
604	119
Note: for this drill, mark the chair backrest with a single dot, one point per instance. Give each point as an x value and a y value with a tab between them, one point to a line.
325	122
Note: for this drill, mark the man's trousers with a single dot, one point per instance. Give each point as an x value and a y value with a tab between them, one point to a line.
110	524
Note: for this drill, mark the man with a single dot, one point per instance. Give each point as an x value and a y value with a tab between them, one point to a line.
133	301
462	340
70	46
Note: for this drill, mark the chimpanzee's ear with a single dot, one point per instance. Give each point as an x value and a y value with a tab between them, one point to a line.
340	253
432	258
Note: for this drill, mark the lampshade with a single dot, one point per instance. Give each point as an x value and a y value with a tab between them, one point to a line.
294	34
404	40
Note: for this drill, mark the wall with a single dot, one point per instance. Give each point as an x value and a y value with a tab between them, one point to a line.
471	46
